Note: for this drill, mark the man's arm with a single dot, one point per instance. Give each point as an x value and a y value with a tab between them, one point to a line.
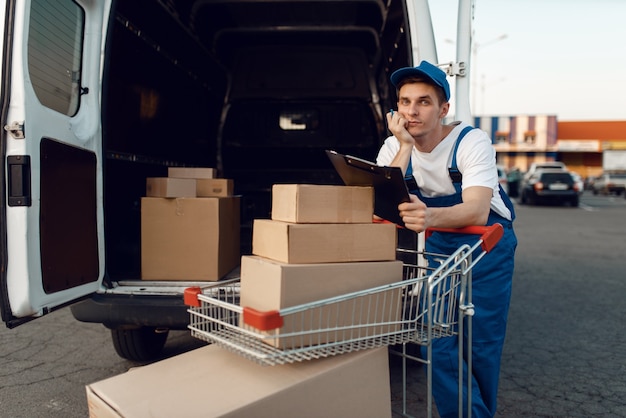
474	210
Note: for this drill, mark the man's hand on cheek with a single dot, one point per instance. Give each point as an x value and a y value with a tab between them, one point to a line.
398	127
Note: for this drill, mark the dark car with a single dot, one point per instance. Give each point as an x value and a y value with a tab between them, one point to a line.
550	186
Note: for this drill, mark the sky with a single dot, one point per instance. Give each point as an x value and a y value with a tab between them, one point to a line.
543	57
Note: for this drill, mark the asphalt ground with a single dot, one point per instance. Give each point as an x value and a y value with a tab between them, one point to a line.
565	353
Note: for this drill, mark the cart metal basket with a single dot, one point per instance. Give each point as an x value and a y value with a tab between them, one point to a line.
427	303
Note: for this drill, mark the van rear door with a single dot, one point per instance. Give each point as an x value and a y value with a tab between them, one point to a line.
51	213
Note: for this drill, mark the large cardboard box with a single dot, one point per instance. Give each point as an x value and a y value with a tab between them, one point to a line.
170	187
192	172
268	285
214	187
307	203
189	238
323	243
211	382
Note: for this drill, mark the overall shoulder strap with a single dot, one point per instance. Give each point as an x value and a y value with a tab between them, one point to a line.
455	175
453	170
411	184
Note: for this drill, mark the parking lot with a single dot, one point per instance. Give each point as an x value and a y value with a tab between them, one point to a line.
565	354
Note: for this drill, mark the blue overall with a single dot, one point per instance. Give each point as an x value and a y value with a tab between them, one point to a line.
491	287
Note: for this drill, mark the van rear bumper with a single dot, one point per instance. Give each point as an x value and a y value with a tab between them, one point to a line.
115	311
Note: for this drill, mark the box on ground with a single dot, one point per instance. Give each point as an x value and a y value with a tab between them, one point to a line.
307	203
170	187
189	238
214	187
192	172
268	285
213	382
323	243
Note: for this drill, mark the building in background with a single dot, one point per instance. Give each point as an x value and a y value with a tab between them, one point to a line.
522	140
581	143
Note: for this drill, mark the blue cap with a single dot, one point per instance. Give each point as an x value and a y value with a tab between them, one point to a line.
426	70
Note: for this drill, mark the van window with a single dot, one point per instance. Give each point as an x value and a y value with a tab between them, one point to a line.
55	43
299	121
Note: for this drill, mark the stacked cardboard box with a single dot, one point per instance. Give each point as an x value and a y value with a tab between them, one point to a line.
213	382
190	226
320	243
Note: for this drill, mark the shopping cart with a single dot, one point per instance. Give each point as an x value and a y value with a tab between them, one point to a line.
428	303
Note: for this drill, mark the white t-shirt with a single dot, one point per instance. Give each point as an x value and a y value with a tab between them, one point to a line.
475	158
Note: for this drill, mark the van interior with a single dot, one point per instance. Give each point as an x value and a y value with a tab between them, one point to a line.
257	89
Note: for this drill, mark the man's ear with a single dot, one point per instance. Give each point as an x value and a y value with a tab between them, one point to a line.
445	108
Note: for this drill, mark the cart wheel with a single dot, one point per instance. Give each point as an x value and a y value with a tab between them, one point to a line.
138	344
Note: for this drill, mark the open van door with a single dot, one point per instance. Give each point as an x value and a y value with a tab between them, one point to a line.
51	219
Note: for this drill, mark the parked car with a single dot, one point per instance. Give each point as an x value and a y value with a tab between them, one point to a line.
589	182
610	183
578	180
550	186
514	177
555	165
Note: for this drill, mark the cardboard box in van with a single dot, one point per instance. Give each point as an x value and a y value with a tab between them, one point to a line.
323	243
192	172
170	187
308	203
214	187
189	238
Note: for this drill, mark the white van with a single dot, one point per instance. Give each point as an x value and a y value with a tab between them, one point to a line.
98	95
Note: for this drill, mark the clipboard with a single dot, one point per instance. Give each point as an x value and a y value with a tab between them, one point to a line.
388	182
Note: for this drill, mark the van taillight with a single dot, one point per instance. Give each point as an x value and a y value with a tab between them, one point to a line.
538	186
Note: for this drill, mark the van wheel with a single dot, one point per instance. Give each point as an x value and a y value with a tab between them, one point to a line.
139	344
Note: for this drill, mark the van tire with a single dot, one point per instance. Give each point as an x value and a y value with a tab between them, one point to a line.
139	344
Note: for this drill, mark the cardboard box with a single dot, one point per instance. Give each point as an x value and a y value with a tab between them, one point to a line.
192	172
323	243
213	382
268	285
189	238
214	187
307	203
170	187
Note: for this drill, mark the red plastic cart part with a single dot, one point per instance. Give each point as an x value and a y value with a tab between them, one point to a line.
264	321
190	296
490	235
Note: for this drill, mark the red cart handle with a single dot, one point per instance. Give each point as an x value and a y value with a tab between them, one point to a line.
190	297
490	235
265	321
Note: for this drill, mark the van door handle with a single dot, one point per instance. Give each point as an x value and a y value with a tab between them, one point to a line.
19	180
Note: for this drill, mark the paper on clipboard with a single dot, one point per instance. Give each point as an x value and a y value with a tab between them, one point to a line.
388	182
